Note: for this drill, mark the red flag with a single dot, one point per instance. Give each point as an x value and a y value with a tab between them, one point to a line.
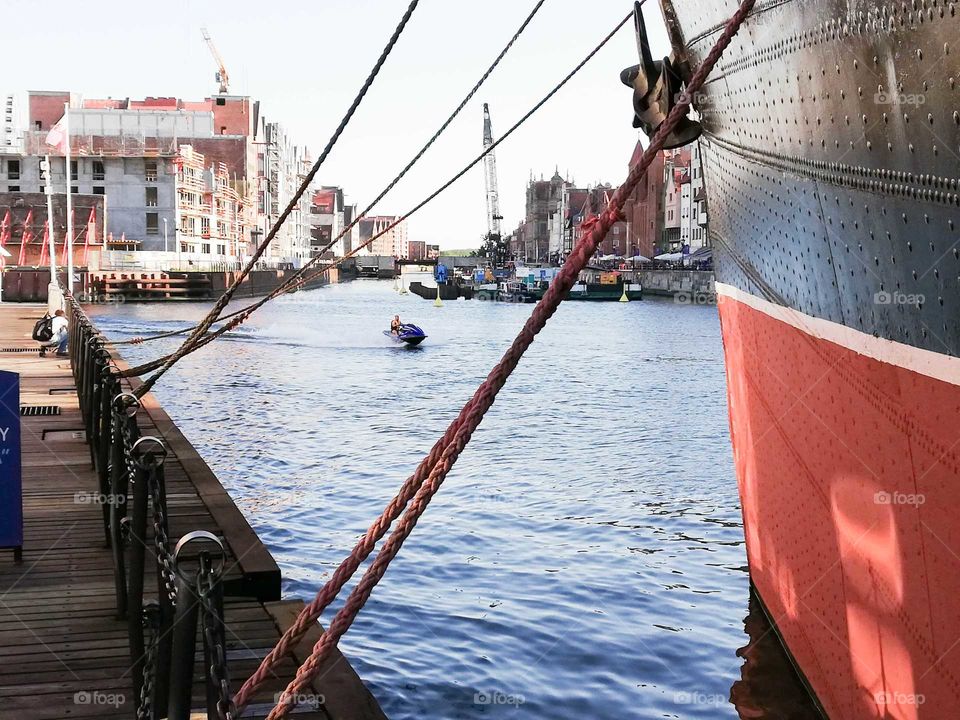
57	137
27	234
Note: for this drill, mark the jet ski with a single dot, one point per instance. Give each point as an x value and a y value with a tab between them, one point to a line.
409	334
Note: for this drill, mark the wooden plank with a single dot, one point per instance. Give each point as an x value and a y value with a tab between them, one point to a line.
63	651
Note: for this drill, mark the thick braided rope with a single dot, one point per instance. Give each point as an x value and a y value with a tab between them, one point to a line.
485	395
298	279
214	313
311	612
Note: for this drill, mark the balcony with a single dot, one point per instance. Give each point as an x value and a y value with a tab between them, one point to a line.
103	145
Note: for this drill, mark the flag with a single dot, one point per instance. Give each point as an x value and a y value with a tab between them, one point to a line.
57	137
27	235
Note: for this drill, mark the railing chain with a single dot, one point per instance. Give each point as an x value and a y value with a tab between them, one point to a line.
151	627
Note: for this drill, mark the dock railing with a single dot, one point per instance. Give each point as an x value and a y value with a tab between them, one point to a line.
162	624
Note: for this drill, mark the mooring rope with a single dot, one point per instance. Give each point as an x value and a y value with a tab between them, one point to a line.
458	434
241	316
211	317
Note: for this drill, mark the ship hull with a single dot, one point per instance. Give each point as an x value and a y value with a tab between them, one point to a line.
847	467
831	133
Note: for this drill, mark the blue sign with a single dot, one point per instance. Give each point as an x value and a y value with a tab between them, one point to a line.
441	273
11	482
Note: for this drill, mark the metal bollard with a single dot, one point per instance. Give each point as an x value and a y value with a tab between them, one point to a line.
125	407
185	630
146	459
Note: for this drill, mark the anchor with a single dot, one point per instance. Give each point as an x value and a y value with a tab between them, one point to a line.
655	86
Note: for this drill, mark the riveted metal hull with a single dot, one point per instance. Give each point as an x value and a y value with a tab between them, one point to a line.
832	163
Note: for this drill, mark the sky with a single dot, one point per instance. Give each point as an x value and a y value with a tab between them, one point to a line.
305	62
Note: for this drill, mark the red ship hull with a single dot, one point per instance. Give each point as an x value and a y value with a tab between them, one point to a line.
848	465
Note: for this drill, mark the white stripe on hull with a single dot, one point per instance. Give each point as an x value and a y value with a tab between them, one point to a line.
934	365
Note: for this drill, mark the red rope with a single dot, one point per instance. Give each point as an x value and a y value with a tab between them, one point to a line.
445	453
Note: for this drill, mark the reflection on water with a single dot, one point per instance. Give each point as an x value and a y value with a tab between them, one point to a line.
584	558
769	686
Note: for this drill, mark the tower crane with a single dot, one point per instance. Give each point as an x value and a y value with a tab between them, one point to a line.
222	77
494	244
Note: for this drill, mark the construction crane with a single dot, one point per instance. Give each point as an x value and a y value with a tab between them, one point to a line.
493	246
222	77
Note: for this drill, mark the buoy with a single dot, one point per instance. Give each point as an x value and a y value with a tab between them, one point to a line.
624	298
437	303
403	290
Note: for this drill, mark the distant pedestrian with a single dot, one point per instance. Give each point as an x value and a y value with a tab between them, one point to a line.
60	335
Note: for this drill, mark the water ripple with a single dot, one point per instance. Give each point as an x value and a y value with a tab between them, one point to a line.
584	558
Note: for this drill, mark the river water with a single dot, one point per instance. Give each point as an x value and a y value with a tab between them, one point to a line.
584	558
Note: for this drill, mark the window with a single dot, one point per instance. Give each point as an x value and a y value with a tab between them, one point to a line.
42	164
205	248
221	249
74	170
150	170
223	129
13	188
38	125
98	172
99	190
13	169
151	196
221	101
153	223
74	189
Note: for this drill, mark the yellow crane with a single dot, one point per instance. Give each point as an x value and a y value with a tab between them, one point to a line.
222	77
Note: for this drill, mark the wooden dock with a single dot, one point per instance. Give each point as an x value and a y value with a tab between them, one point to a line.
63	651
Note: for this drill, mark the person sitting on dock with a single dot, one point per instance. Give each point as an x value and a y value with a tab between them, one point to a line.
60	335
395	325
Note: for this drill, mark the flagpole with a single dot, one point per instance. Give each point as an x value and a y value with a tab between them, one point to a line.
69	238
54	297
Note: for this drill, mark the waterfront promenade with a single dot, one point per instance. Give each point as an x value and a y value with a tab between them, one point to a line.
63	651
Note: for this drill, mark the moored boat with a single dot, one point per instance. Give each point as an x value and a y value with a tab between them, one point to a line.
830	133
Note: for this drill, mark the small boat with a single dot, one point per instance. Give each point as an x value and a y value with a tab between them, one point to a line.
409	334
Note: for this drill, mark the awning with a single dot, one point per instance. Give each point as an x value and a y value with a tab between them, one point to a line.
669	256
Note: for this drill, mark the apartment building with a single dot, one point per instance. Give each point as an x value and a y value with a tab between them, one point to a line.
393	242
